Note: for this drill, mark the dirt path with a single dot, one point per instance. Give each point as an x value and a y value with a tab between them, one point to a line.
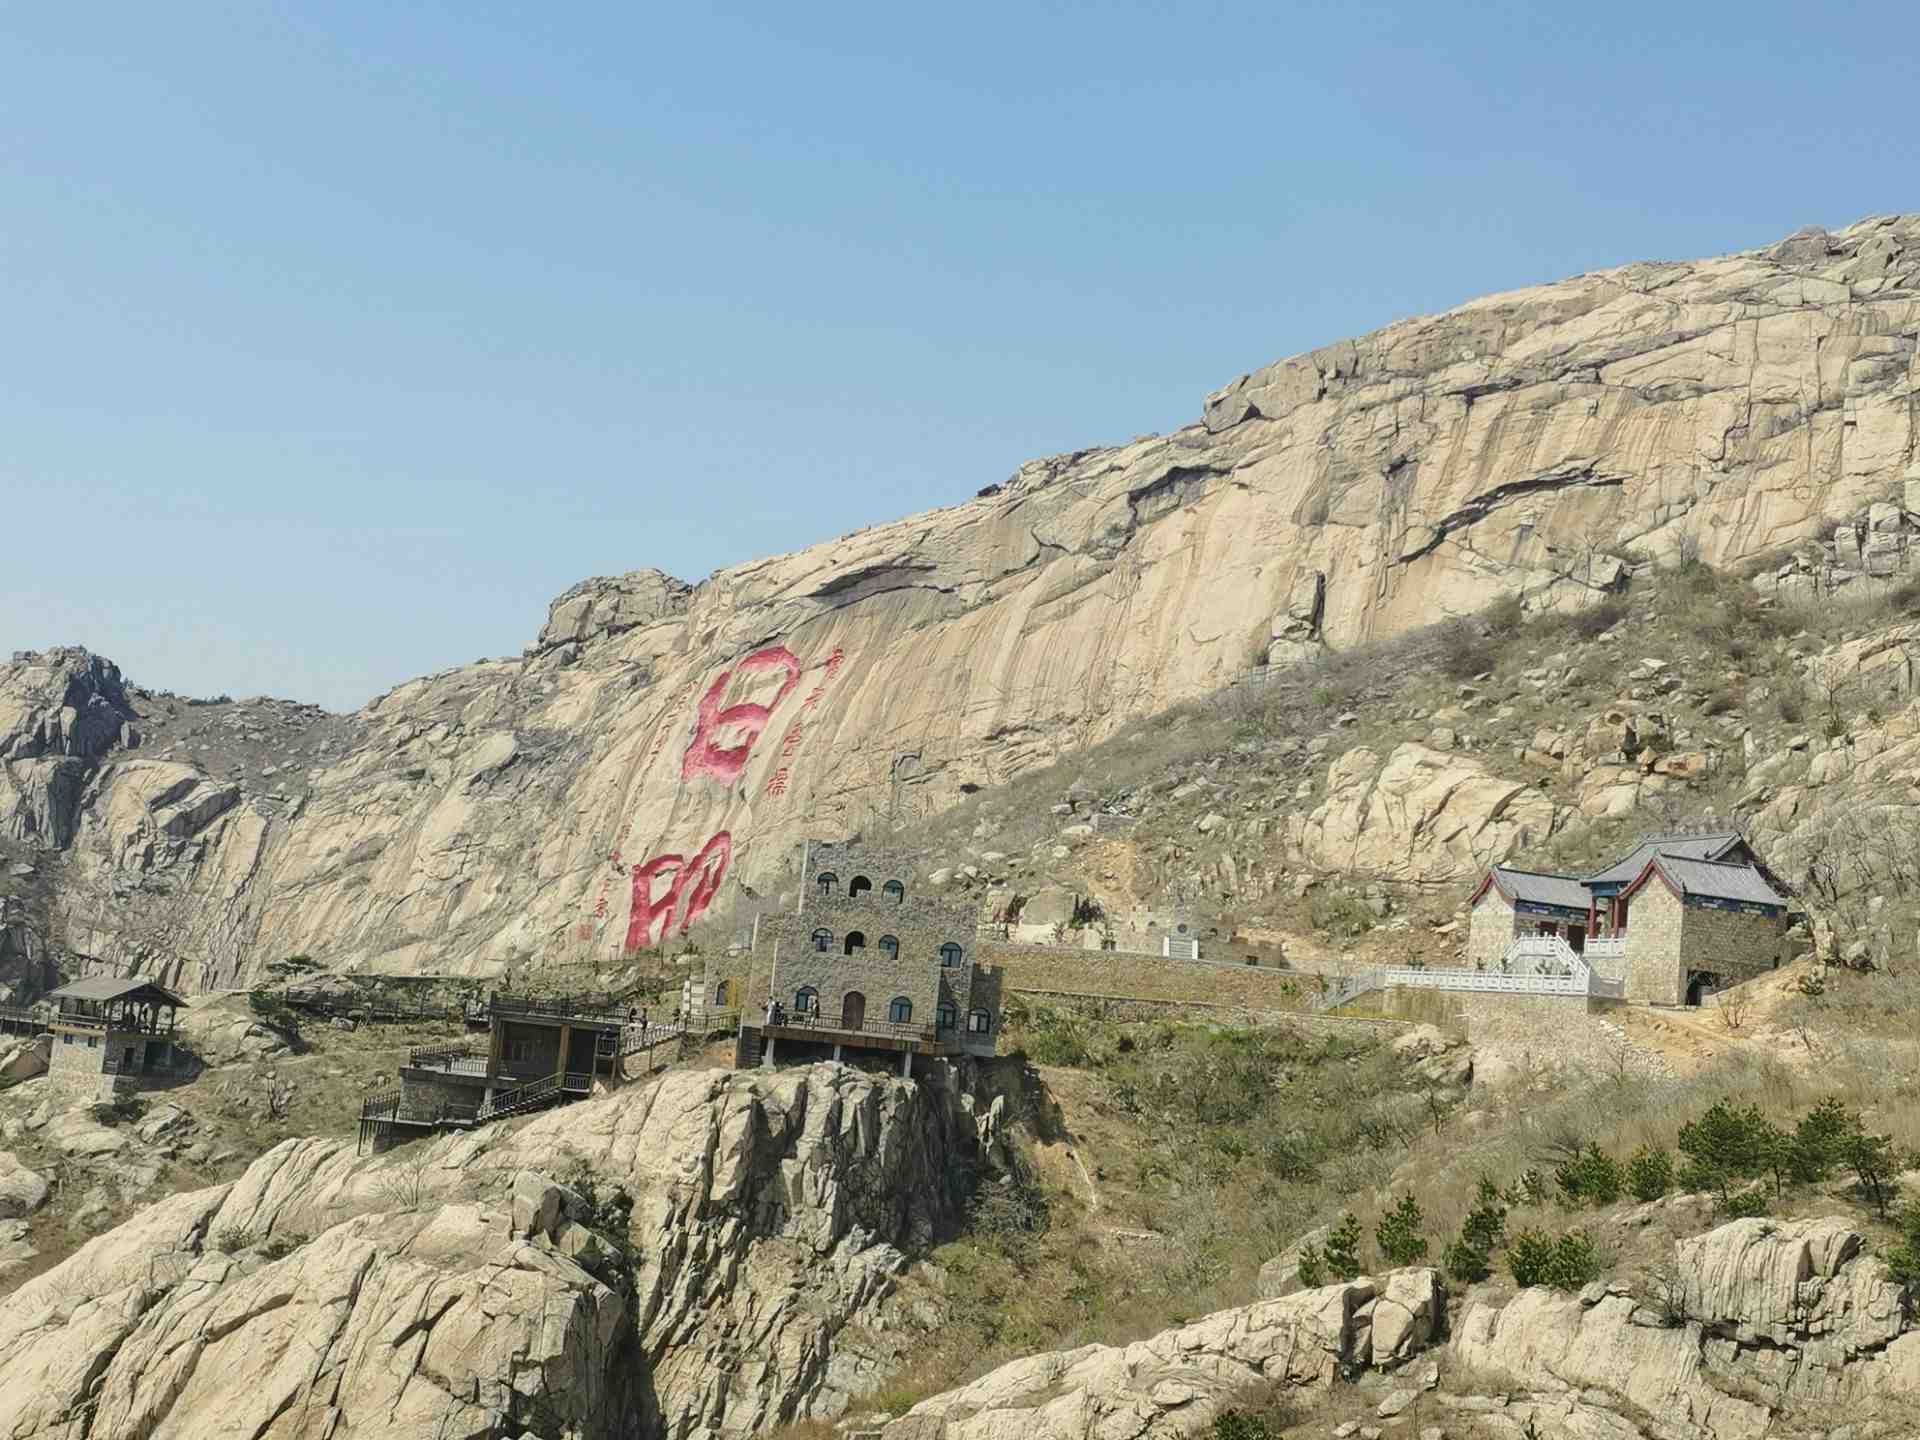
1690	1039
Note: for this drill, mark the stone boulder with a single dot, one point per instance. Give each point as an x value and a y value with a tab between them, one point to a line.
1281	1275
21	1190
1419	815
1178	1380
221	1029
22	1059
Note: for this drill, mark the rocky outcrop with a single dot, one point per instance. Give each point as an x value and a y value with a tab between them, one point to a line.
497	813
1422	814
1176	1382
1759	1328
1760	1318
465	1289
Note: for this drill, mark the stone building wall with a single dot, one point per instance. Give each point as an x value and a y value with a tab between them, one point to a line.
985	996
1146	977
868	972
1490	931
78	1071
1734	944
435	1097
1655	974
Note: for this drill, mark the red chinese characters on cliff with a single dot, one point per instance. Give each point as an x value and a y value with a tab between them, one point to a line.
691	886
719	749
705	754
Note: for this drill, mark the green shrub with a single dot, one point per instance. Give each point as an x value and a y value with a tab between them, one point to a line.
1875	1161
1464	1261
1591	1178
1903	1257
1566	1263
1529	1189
1505	615
1596	620
1727	1145
1486	1223
1398	1233
1312	1268
1342	1250
1268	1423
1464	651
1748	1204
278	1247
1820	1141
1649	1173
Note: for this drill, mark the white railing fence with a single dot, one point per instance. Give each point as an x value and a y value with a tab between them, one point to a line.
1532	965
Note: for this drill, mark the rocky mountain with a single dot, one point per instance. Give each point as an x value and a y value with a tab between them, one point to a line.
660	742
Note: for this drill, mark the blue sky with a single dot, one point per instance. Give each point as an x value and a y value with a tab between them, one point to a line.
340	338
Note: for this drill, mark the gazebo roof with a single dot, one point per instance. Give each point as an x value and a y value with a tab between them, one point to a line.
102	988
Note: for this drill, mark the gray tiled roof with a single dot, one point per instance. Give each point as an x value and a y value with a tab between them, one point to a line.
1566	891
1681	846
106	987
1720	881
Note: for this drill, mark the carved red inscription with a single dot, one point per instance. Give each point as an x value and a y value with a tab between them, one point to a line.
705	754
691	886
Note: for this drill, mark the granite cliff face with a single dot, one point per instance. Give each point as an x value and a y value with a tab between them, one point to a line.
660	742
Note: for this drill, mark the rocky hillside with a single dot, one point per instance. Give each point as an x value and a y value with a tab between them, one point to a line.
495	1284
1764	1329
659	741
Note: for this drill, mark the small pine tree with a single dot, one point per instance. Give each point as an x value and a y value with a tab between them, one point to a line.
1342	1250
1726	1145
1875	1162
1398	1233
1820	1140
1649	1173
1592	1177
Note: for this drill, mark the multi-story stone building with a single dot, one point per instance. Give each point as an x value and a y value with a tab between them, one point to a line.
864	964
1678	916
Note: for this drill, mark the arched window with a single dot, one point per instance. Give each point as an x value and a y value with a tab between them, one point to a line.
949	1015
856	940
950	955
827	881
979	1022
823	940
720	993
860	886
806	1001
890	945
893	890
900	1010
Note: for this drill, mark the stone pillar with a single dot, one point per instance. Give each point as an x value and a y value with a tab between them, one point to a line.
836	1049
766	1055
906	1064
